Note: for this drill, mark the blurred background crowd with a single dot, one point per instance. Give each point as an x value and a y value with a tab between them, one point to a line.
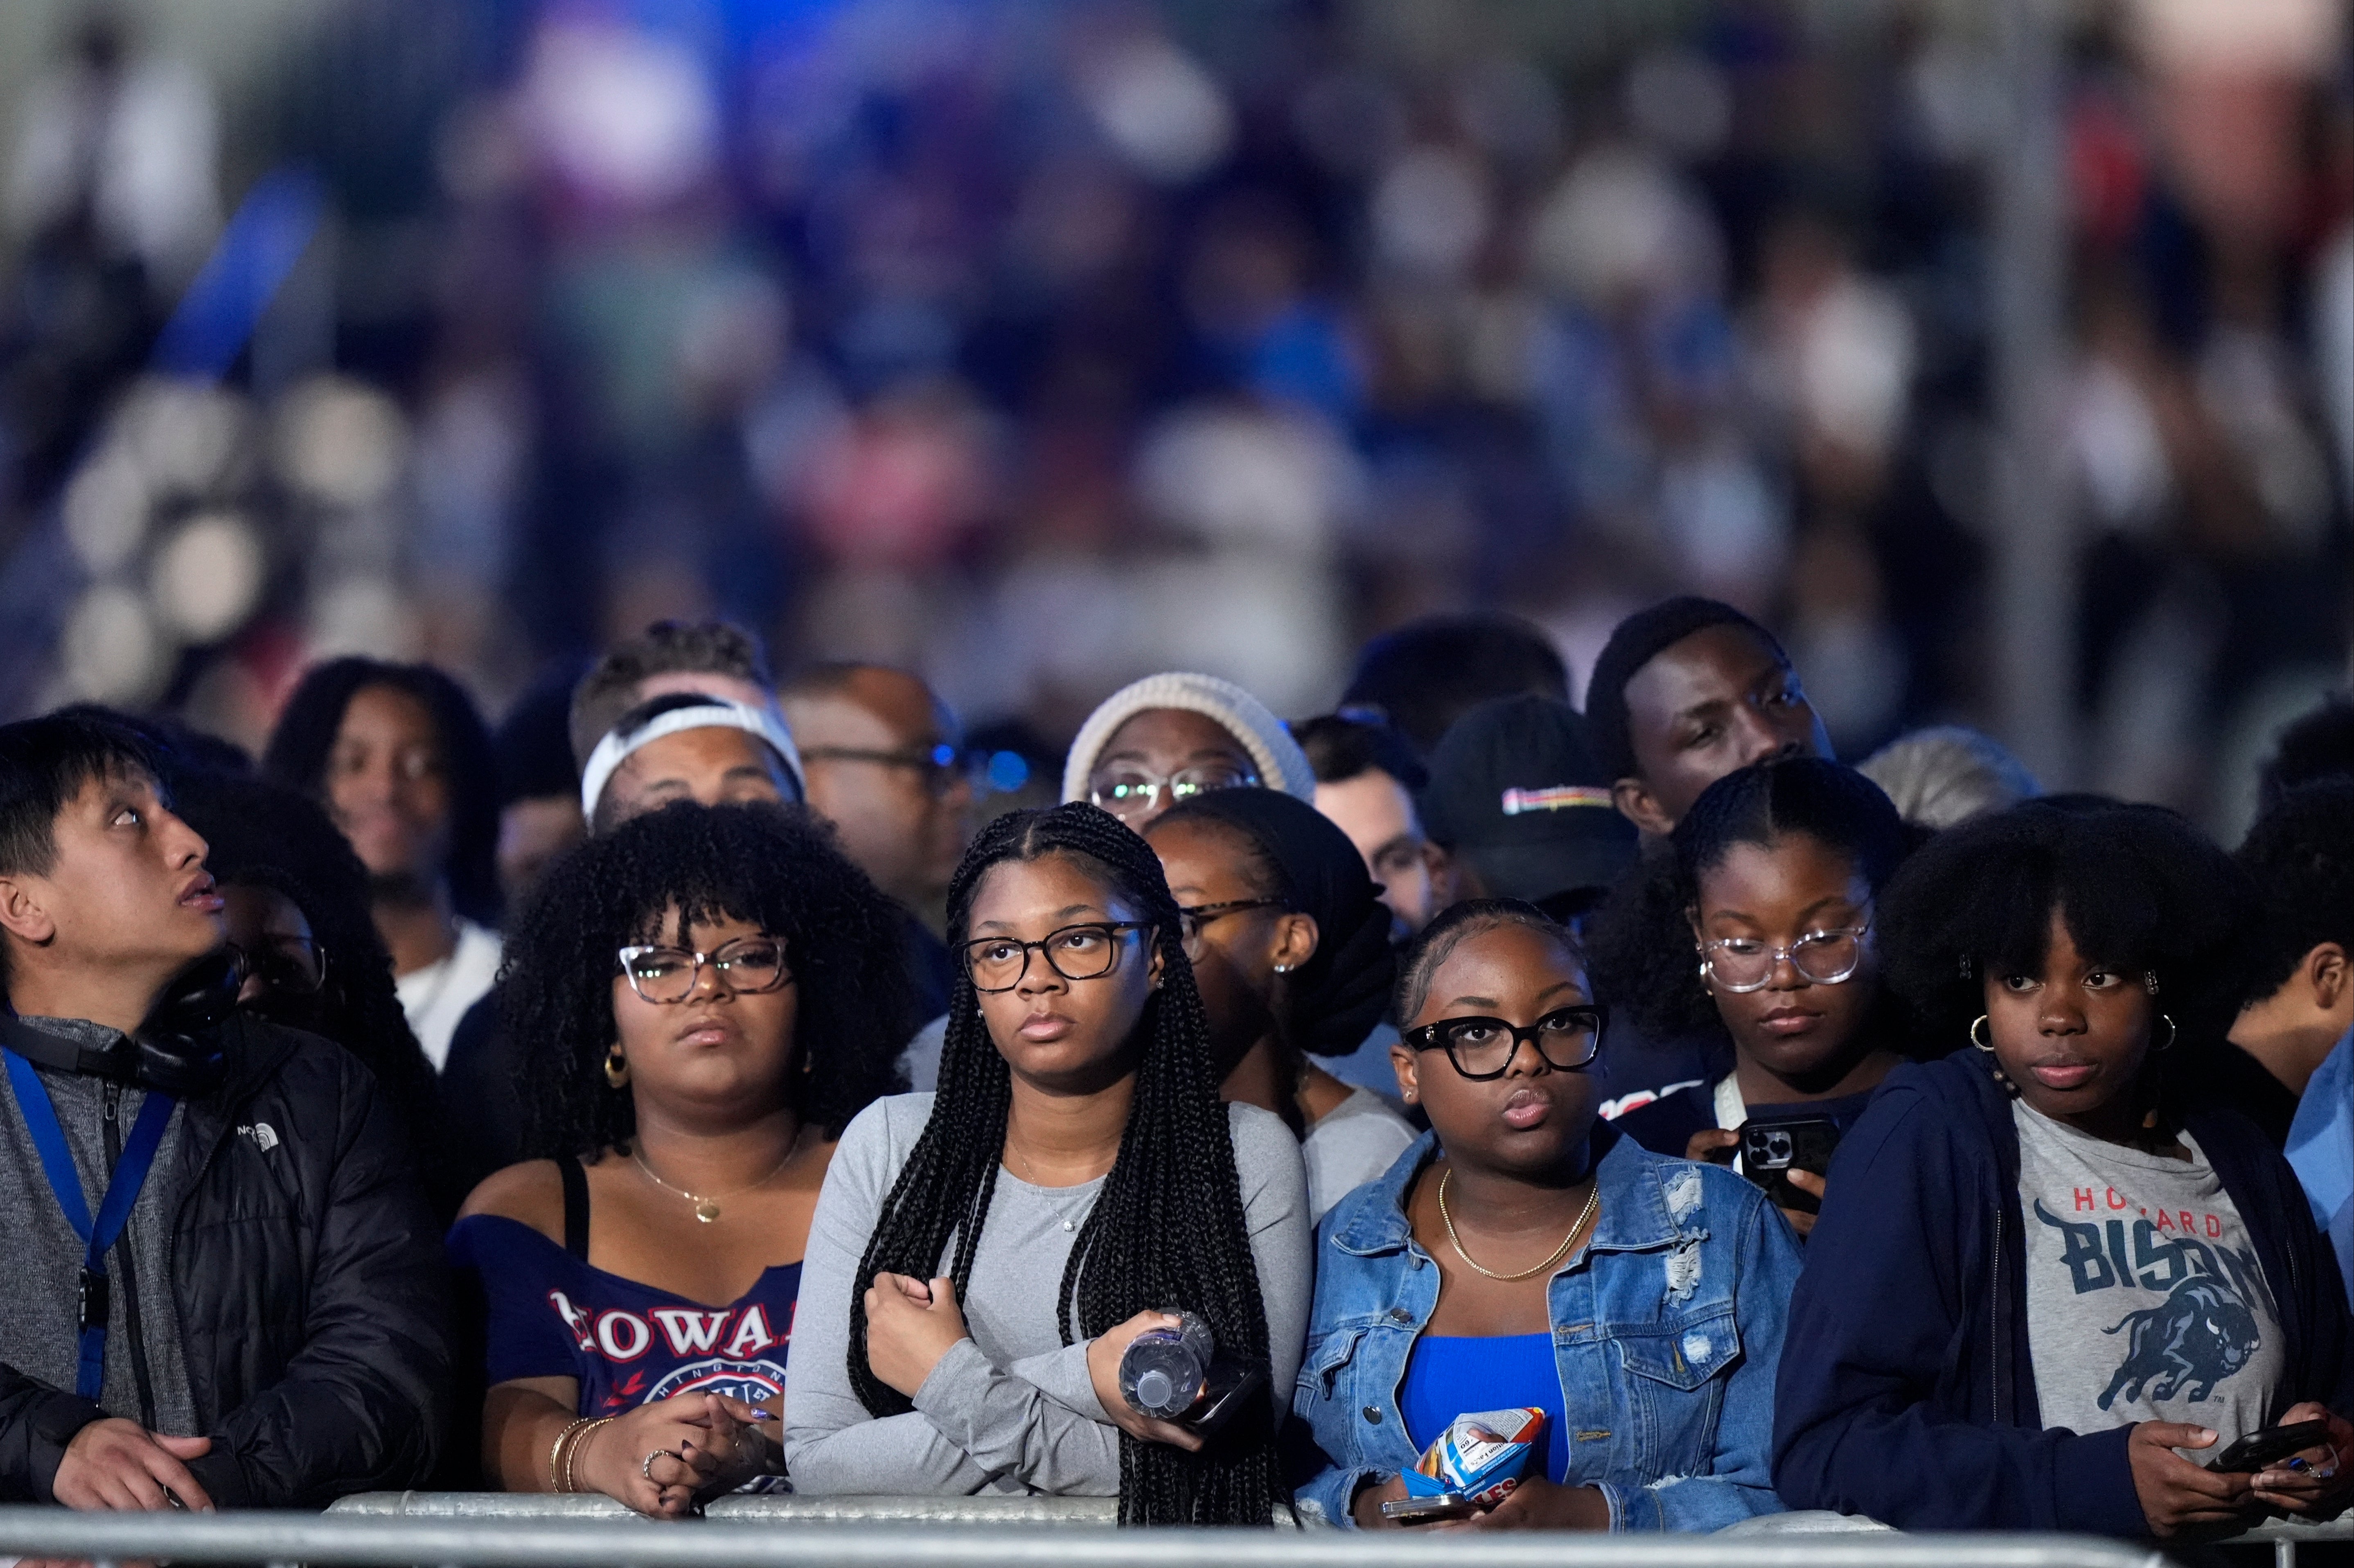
1038	344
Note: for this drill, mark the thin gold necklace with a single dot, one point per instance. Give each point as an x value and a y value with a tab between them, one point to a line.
1559	1253
707	1209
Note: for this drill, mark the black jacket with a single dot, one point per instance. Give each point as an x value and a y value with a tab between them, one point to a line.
310	1283
1907	1391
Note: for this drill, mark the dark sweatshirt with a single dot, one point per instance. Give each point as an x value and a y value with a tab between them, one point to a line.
1907	1390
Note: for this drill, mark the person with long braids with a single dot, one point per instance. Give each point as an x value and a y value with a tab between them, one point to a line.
1290	947
1525	1254
983	1256
2053	1281
707	996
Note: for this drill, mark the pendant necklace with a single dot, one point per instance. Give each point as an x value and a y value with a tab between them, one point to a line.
707	1209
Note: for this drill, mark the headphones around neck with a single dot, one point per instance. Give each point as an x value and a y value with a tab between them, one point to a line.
176	1050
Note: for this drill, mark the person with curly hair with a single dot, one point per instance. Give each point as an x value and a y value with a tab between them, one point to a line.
1768	883
706	997
297	909
983	1257
1536	1281
400	759
1291	946
2051	1276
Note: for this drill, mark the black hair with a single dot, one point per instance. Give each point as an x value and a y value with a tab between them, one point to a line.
305	737
698	646
44	762
1341	746
1428	673
2300	857
179	747
1455	925
1642	940
2140	888
1634	643
772	867
2319	744
532	744
1167	1229
263	835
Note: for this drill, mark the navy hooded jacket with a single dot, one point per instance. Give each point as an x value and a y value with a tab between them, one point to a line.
1906	1390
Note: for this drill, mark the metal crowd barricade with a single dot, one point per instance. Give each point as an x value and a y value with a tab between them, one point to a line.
570	1540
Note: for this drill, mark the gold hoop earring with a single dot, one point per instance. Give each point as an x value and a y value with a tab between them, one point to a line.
617	1066
1985	1044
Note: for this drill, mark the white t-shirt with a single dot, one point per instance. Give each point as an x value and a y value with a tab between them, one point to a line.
1350	1145
437	996
2145	1298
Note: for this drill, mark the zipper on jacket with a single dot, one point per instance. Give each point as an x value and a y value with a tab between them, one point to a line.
114	1120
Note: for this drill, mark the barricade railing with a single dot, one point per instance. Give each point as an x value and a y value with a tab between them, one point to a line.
740	1540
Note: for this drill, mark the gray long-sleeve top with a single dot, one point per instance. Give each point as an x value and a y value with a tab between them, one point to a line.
1011	1408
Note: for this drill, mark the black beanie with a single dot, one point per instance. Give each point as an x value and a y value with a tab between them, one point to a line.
1340	992
1638	640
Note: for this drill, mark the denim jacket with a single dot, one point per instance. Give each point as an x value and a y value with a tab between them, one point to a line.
1667	1331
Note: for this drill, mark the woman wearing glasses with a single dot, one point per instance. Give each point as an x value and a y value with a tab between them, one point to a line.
1521	1254
707	996
1757	930
982	1256
1166	739
1291	946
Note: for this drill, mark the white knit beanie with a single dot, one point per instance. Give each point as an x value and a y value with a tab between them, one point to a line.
1282	764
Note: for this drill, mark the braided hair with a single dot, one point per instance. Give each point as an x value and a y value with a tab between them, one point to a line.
772	867
1167	1229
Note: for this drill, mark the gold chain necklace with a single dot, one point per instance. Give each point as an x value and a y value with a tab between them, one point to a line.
1593	1199
707	1209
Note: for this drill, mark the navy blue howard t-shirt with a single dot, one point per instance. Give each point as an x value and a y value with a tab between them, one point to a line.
552	1314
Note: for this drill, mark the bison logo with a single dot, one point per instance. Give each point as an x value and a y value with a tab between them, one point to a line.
2198	1336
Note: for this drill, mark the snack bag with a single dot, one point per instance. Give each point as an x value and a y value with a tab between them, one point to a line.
1480	1455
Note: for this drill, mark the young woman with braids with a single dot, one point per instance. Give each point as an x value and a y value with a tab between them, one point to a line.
705	996
2052	1281
1289	943
982	1256
1756	928
1522	1253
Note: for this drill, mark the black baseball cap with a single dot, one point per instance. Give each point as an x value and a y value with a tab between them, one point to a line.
1515	792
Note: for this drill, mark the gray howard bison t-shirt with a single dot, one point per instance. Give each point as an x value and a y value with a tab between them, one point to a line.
2144	1298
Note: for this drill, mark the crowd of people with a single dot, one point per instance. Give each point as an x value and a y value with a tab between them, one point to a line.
424	1105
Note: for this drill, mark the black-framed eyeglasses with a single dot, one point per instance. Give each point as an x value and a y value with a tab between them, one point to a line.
1131	792
940	766
748	966
1743	964
1191	919
1568	1038
285	965
1084	952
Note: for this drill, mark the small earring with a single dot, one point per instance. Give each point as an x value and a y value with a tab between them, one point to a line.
1283	969
1965	965
2150	982
617	1066
1985	1044
2171	1032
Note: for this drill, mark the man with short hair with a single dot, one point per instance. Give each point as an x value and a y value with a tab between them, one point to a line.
2300	855
712	658
1685	692
224	1287
882	754
1367	779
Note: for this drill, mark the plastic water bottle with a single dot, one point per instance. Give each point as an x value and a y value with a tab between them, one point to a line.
1163	1369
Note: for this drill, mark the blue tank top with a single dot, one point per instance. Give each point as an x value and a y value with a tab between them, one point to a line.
1449	1376
550	1314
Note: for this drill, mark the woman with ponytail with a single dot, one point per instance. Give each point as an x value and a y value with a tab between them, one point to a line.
982	1256
1290	947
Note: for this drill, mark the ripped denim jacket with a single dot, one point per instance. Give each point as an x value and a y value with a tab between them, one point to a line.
1667	1329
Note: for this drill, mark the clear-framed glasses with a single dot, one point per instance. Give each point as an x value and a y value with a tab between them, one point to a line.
1745	964
1568	1038
1128	792
1191	919
1075	953
285	965
745	967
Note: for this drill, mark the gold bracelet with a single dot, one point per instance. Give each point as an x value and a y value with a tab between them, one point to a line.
579	1440
555	1455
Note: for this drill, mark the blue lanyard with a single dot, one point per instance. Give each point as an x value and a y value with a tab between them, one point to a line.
113	1210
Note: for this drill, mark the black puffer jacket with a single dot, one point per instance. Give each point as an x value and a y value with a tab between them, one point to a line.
310	1283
